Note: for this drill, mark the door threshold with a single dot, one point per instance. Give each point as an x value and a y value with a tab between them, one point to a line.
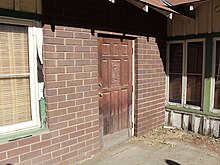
116	138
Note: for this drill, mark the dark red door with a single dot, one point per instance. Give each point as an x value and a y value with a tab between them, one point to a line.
115	87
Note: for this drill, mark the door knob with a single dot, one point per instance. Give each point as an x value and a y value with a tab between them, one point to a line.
100	94
100	84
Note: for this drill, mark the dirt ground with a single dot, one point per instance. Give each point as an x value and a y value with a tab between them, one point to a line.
161	146
164	136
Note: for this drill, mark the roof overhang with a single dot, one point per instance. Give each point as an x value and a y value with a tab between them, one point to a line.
168	7
156	5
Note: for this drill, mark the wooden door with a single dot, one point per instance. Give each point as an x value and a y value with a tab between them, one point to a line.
115	87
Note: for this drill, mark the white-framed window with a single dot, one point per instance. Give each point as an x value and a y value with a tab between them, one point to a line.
19	106
185	73
216	77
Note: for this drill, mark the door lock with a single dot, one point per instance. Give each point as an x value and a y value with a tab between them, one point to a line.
100	84
100	94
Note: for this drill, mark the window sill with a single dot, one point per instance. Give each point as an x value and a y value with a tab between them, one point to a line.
189	110
21	134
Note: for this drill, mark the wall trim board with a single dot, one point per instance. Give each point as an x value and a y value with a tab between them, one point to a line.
20	14
193	36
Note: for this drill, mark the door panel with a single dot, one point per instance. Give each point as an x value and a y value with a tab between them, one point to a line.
115	89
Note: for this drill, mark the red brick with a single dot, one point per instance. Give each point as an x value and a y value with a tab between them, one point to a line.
40	159
77	134
18	151
64	48
2	155
51	92
60	152
59	139
67	117
9	161
70	41
40	145
89	42
82	35
74	96
93	141
30	155
67	130
84	126
51	148
82	62
83	88
75	109
29	140
53	40
66	104
69	143
76	121
74	83
57	126
64	34
49	48
82	75
8	146
54	70
65	77
49	78
51	106
84	113
77	146
54	55
57	113
69	155
53	99
68	62
73	69
83	101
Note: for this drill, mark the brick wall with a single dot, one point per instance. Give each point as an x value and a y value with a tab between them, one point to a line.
71	76
150	86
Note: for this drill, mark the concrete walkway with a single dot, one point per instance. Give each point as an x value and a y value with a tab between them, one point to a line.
176	153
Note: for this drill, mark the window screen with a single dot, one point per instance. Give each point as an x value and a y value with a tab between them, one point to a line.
175	72
194	73
14	75
217	77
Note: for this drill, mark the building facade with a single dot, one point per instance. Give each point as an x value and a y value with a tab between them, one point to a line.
76	74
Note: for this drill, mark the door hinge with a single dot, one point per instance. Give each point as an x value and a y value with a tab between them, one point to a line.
132	124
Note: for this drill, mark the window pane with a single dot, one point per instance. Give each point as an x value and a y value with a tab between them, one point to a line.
176	58
195	57
14	101
194	73
175	88
217	77
14	91
194	86
175	72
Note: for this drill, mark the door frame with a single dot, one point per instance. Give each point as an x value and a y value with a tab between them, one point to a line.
130	116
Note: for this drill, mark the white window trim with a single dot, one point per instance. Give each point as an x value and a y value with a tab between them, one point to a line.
213	76
168	73
35	122
184	73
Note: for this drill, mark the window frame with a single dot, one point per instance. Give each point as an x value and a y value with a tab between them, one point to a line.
213	76
184	73
32	52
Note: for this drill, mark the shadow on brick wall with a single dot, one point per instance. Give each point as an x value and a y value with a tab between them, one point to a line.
121	17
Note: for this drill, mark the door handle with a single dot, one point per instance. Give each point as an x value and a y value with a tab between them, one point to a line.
100	94
100	84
